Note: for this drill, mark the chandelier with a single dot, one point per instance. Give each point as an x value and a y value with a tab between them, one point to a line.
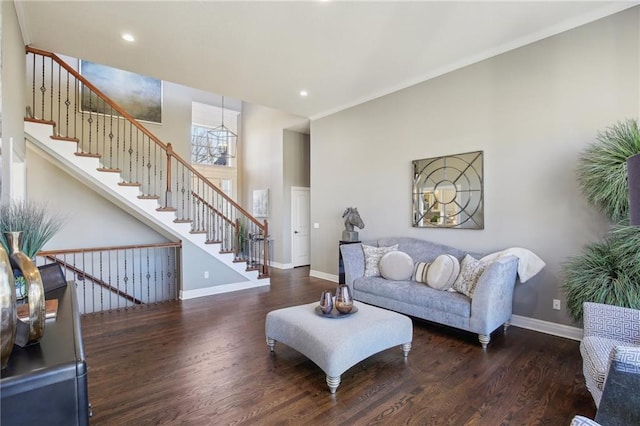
221	142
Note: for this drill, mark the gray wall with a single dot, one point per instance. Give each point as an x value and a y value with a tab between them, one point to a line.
296	152
263	167
531	111
13	103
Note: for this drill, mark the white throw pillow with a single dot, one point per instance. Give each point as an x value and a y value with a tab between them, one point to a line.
396	266
443	272
470	272
372	256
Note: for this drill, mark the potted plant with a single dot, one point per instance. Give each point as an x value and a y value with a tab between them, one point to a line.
607	271
37	224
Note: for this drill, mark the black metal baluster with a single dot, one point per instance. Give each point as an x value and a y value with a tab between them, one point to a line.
33	89
51	115
130	151
126	280
67	102
43	89
58	123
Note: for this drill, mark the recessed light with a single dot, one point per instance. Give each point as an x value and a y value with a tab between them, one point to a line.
128	37
303	93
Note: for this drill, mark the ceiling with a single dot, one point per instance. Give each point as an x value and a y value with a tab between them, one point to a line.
343	53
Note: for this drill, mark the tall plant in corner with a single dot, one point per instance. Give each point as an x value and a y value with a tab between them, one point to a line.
35	222
607	271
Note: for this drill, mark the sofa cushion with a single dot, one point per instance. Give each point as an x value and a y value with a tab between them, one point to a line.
416	294
372	256
470	271
396	265
443	272
420	272
595	354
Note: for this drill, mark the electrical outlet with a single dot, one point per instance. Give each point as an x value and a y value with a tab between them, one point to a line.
206	274
556	304
316	226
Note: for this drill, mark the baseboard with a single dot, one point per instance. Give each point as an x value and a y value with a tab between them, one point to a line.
225	288
561	330
281	265
323	275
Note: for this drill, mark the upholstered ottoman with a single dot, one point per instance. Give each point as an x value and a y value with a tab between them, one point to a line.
336	344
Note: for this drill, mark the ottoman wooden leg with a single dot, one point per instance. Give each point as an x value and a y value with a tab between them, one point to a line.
333	383
406	348
271	343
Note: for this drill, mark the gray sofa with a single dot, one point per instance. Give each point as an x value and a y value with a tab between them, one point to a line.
489	308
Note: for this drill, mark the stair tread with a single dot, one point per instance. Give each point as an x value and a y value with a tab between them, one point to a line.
86	154
109	170
129	184
65	138
148	197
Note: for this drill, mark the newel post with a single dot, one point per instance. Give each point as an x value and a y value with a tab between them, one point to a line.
238	240
168	198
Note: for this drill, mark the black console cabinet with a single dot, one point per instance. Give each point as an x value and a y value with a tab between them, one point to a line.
47	383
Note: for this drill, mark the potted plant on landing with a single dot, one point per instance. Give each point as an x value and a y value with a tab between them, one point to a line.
607	271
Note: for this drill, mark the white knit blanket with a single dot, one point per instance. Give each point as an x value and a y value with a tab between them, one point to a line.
529	264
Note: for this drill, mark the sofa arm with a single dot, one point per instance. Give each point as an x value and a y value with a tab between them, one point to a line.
612	322
353	260
492	301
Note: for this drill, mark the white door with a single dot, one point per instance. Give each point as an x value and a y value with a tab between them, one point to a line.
300	217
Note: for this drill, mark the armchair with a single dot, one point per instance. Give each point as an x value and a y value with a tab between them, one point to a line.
611	334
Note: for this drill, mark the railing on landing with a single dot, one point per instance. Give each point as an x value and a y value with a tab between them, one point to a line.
111	278
79	112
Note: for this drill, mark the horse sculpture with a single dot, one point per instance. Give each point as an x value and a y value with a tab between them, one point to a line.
351	219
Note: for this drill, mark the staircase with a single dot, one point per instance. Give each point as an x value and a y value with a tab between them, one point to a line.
131	167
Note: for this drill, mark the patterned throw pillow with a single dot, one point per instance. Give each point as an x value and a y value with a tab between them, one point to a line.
470	271
420	272
372	256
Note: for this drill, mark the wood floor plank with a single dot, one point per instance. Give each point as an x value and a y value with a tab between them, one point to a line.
205	362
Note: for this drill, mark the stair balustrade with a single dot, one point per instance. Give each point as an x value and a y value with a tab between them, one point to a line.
121	277
80	113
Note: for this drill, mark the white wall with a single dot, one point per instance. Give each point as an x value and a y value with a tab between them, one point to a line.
531	111
263	168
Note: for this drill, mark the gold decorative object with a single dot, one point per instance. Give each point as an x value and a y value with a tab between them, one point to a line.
7	307
28	334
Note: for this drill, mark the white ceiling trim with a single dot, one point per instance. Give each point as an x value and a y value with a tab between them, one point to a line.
566	25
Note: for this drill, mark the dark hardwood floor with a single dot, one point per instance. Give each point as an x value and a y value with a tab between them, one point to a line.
205	362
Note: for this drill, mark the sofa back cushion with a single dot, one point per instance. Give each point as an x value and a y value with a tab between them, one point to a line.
419	250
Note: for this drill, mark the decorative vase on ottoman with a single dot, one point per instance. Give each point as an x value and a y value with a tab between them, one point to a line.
32	332
7	306
326	302
344	300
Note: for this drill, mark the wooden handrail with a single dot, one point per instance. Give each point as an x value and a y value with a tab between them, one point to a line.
98	92
166	147
96	280
210	207
108	248
210	194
